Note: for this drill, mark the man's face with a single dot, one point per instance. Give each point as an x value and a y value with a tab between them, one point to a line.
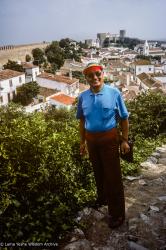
95	79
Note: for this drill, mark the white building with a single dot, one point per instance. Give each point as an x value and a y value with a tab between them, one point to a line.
152	50
67	85
31	71
60	100
142	66
9	81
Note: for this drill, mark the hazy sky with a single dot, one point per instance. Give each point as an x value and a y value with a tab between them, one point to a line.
28	21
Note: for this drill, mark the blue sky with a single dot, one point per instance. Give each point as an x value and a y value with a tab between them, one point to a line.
28	21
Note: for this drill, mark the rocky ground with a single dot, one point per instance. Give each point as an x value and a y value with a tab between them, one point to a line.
145	226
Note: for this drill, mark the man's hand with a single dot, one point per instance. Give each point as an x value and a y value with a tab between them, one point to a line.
125	148
83	148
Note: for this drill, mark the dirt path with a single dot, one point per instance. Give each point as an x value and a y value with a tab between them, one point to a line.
145	226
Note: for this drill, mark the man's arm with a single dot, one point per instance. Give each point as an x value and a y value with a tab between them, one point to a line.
125	131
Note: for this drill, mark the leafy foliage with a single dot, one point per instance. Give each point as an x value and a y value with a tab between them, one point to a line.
148	114
55	55
72	49
27	58
13	66
38	56
44	181
26	92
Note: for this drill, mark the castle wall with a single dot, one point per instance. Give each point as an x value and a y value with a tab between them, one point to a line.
18	53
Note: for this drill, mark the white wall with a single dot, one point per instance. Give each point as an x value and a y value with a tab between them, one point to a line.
144	68
162	79
33	72
68	89
6	88
58	104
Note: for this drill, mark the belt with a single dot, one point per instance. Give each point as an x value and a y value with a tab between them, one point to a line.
112	133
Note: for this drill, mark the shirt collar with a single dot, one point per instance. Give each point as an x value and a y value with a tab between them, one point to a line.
101	92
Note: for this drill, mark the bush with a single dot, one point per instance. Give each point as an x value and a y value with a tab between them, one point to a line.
44	180
147	115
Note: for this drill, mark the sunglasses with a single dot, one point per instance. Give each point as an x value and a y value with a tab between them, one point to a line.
95	73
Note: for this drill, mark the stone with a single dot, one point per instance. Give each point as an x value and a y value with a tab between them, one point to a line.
142	182
134	246
147	165
104	248
163	155
162	161
152	159
162	198
78	245
78	233
160	150
156	155
132	178
154	208
97	215
145	218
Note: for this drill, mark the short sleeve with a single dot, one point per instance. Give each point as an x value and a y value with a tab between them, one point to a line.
123	113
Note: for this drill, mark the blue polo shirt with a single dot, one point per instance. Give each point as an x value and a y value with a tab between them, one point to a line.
100	109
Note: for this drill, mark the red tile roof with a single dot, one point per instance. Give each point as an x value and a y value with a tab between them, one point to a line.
29	66
142	62
58	78
8	74
65	99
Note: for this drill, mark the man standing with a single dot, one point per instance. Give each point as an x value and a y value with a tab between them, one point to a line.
97	110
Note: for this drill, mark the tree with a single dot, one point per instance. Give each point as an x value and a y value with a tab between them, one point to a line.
55	54
147	114
27	58
64	42
13	66
38	56
72	49
26	92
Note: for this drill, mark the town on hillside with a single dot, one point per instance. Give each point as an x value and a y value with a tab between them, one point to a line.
132	65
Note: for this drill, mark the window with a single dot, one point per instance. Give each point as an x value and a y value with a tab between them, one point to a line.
8	97
10	83
1	99
20	79
14	94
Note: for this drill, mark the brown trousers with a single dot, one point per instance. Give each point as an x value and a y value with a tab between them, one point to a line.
103	148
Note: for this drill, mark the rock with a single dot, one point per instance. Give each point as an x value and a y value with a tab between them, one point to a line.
77	234
152	159
156	155
163	155
97	215
78	245
134	246
160	150
103	248
162	161
158	180
162	198
145	218
142	182
154	208
132	178
147	165
132	238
